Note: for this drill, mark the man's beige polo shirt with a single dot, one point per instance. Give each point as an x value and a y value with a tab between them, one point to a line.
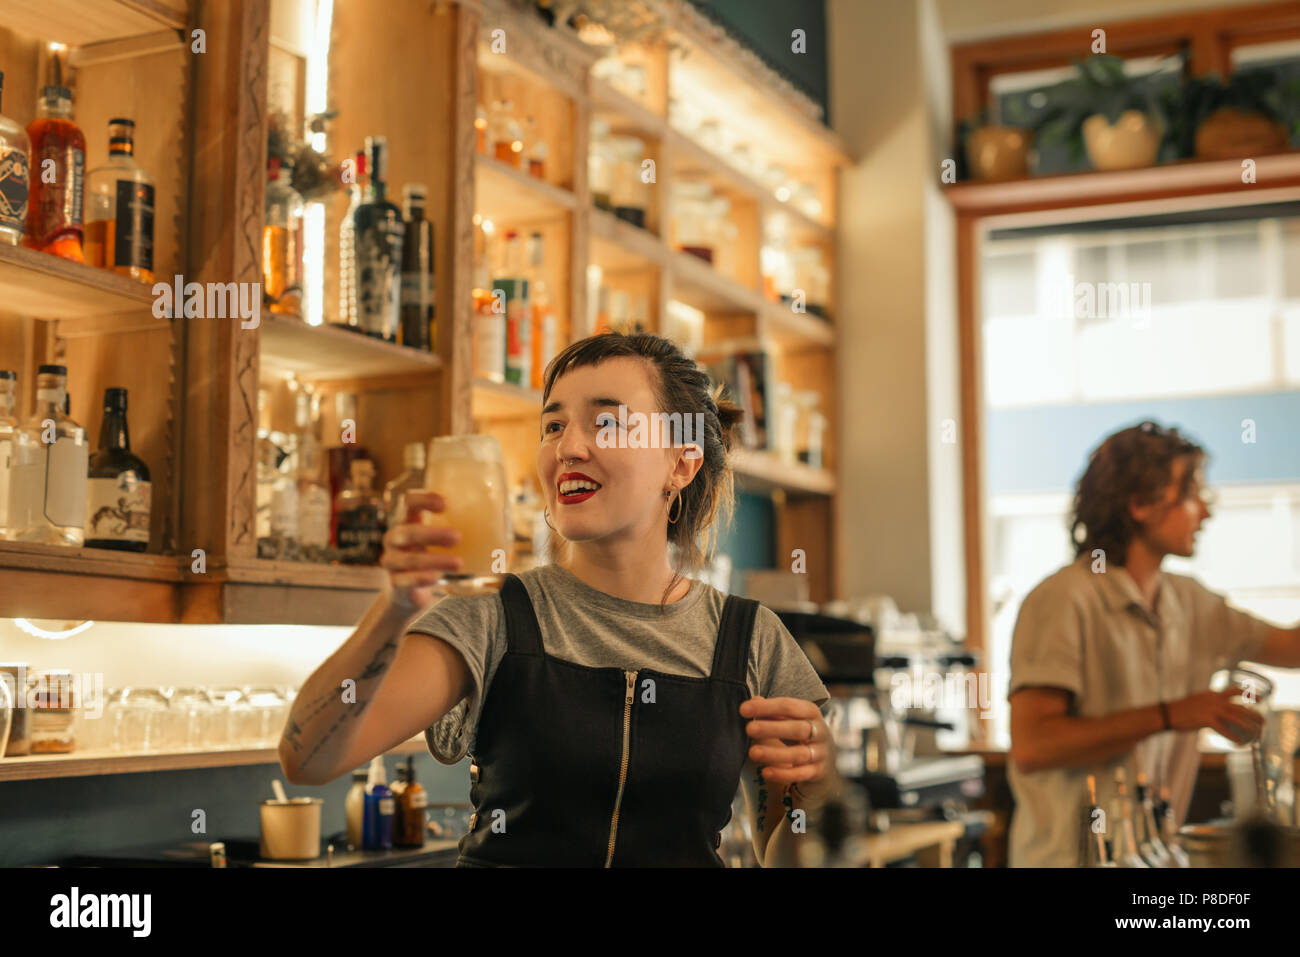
1091	633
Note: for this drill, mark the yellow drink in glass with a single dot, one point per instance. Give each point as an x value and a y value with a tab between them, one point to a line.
468	472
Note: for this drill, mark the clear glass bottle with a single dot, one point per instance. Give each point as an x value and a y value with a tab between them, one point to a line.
54	213
118	490
314	504
536	151
1093	850
282	241
120	208
8	423
545	333
378	232
1126	851
347	247
417	271
47	491
361	517
14	179
1150	846
1169	830
600	166
412	477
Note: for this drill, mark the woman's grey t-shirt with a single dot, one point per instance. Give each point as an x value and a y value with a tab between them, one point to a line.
589	627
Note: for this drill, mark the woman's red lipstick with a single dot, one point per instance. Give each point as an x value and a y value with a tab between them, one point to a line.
577	497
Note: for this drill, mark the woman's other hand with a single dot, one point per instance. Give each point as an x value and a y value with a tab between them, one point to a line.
792	744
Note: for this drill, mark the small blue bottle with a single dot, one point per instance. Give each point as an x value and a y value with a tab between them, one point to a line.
377	814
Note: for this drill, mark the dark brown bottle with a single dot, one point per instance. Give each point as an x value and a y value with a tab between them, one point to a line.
118	491
417	329
410	816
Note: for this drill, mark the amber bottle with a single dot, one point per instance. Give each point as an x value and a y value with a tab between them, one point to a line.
58	176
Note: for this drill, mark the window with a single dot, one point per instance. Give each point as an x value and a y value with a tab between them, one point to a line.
1192	319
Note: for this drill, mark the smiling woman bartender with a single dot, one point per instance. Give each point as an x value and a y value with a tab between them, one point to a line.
611	706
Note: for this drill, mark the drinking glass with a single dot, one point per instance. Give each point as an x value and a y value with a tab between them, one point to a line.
143	716
195	715
228	708
468	471
1255	694
266	716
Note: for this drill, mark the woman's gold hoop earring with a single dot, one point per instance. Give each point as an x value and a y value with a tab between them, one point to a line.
671	520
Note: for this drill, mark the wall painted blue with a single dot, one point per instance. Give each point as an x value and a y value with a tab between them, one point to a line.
1046	449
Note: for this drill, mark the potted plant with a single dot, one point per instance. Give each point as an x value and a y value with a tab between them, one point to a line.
1112	116
1211	119
995	151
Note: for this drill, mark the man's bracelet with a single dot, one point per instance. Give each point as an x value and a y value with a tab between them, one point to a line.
1164	713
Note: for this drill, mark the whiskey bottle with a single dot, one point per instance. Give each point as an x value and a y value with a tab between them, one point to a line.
282	241
47	489
545	330
118	490
8	403
417	271
347	247
361	517
120	209
54	214
377	234
14	179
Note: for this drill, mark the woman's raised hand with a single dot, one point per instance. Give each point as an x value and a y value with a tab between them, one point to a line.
413	570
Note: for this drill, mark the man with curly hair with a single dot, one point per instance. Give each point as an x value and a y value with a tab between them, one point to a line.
1111	658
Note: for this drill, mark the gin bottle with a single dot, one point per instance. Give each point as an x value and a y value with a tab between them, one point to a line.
14	179
378	230
47	489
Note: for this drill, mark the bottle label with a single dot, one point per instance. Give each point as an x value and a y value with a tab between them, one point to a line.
361	533
490	336
133	231
13	189
6	463
386	805
314	516
419	800
284	509
117	509
378	277
417	289
59	203
65	483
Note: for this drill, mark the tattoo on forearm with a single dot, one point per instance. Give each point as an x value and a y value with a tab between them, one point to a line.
762	799
374	669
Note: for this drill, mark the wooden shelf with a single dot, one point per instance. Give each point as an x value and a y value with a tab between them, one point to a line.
699	285
764	472
85	763
793	330
623	113
498	400
617	246
1186	178
504	194
43	286
80	22
331	351
49	581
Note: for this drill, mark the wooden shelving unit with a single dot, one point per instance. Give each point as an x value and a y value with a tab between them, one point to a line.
201	130
81	764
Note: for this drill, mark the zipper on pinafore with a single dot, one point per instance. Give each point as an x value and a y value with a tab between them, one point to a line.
622	771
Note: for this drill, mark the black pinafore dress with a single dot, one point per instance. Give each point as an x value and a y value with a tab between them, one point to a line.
575	766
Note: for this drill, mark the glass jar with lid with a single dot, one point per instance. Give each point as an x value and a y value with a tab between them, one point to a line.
15	677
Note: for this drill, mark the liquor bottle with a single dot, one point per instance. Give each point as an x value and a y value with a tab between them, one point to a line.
47	491
1126	851
347	247
282	241
268	465
545	331
377	810
489	327
410	815
417	271
8	404
14	180
1169	831
413	459
1151	847
120	209
54	213
118	490
377	233
284	491
314	502
536	151
361	517
1093	850
513	288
